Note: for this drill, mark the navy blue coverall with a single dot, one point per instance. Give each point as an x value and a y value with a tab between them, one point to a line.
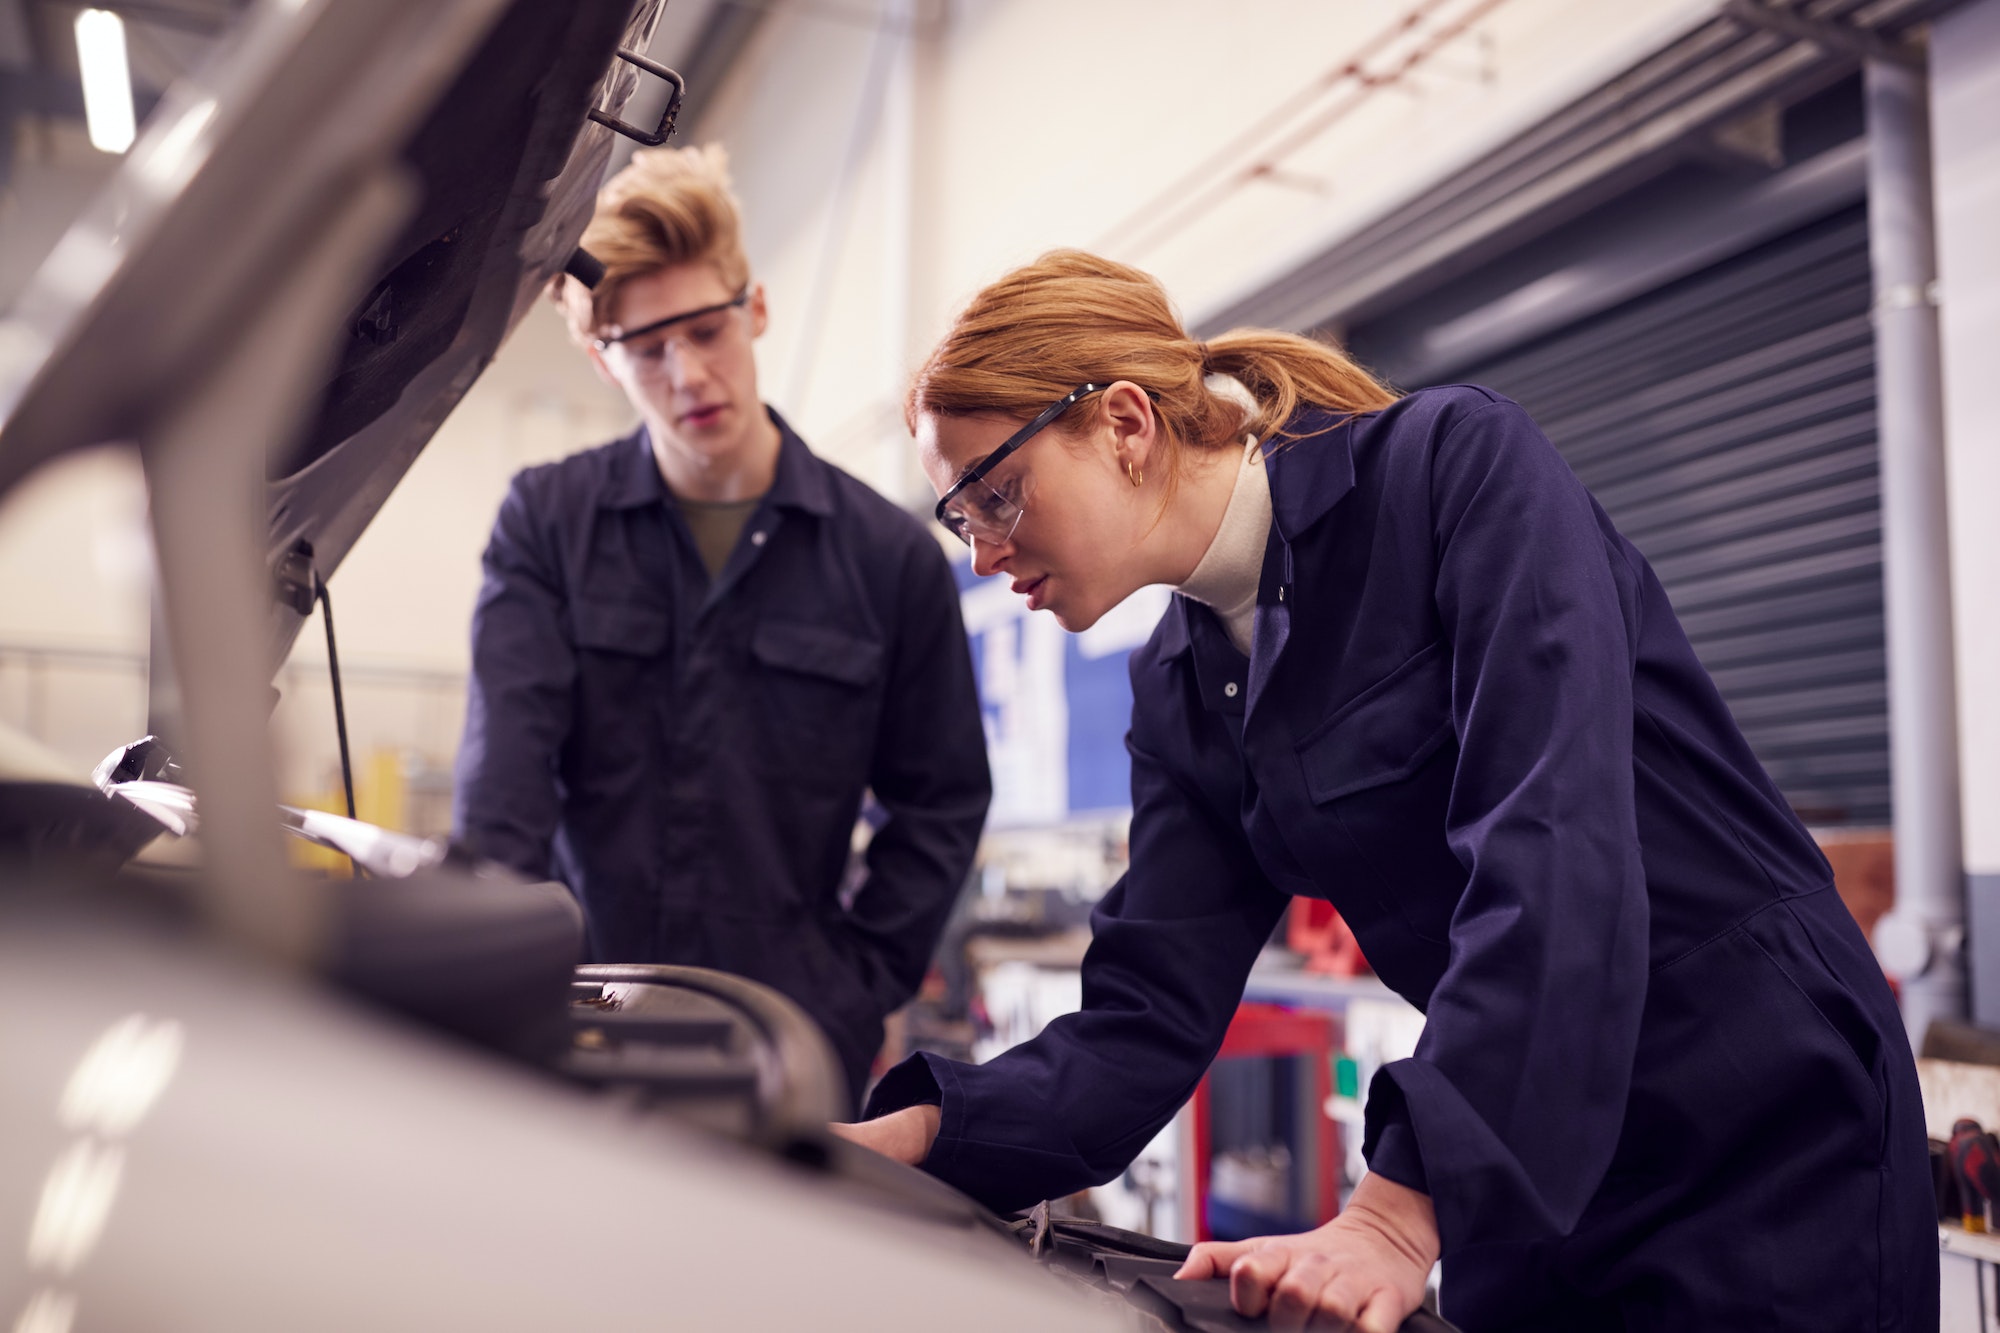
689	755
1663	1083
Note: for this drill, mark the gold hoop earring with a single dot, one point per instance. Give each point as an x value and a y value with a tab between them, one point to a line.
1138	477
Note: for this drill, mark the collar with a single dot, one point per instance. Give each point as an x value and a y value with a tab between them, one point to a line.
1173	631
803	480
1310	471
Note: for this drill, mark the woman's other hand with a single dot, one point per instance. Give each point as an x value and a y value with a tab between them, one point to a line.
905	1135
1368	1267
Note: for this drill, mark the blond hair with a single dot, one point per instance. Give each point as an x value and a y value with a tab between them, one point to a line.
668	206
1072	317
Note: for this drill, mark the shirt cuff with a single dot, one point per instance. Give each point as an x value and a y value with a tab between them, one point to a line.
910	1083
929	1080
1390	1142
1396	1158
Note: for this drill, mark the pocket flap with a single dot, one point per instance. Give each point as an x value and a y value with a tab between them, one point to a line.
1386	733
817	650
619	627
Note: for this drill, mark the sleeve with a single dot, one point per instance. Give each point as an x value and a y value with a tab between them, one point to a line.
505	804
1171	945
929	775
1510	1109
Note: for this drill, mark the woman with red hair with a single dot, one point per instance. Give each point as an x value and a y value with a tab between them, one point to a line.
1415	670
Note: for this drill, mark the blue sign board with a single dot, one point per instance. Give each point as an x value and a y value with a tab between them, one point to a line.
1056	704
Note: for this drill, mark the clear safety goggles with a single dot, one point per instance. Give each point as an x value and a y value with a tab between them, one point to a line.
650	349
974	507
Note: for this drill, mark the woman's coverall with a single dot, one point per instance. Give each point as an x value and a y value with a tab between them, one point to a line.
1662	1083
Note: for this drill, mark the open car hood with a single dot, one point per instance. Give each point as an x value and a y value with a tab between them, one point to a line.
481	111
294	277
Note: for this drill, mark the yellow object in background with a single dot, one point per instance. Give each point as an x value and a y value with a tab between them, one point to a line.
381	798
310	855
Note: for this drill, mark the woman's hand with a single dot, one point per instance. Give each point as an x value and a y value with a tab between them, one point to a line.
1366	1268
904	1135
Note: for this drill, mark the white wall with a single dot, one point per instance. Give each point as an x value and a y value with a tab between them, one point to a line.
1007	127
1965	108
1965	72
75	569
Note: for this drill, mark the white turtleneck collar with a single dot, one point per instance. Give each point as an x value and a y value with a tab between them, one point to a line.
1226	579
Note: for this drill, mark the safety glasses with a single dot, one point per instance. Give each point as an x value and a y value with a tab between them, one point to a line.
975	508
646	349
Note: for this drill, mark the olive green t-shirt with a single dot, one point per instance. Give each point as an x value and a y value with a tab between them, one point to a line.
716	524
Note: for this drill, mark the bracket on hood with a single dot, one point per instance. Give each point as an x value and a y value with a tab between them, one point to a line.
655	138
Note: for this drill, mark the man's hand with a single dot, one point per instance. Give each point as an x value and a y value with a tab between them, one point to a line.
904	1136
1367	1268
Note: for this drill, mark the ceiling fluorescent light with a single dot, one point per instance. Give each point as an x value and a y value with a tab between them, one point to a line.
107	80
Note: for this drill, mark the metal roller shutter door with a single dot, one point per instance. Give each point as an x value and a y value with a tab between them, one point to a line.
1727	424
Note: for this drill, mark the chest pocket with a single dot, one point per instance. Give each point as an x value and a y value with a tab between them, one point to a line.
1384	735
620	659
1381	769
816	651
819	691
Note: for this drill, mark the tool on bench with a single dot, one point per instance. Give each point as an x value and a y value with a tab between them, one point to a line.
1975	1163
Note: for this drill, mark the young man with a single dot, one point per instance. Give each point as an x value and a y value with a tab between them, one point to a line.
697	647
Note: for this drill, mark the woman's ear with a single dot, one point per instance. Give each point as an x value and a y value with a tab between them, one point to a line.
1135	427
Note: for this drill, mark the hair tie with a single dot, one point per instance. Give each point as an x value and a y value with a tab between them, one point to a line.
1201	349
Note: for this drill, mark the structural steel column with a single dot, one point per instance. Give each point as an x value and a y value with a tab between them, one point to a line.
1965	108
1925	938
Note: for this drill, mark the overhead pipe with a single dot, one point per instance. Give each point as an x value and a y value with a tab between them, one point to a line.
1226	170
1923	940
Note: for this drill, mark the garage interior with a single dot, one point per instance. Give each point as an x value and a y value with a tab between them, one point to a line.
285	343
